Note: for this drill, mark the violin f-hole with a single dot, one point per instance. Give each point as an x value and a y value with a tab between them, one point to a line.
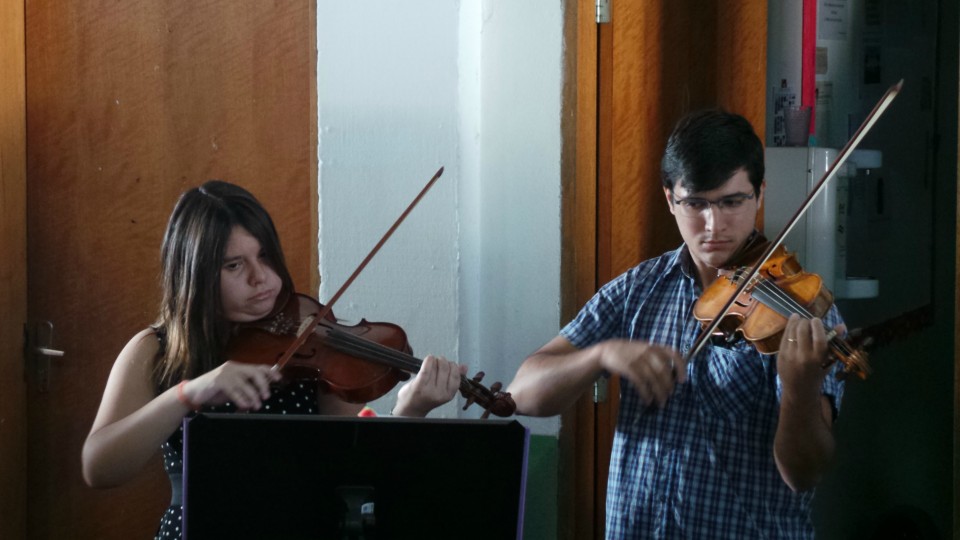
301	353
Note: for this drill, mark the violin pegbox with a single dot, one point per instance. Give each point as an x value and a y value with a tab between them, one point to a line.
492	399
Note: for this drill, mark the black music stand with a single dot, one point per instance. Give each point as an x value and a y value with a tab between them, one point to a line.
286	477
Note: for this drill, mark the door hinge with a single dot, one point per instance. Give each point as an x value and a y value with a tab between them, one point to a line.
600	390
26	352
603	11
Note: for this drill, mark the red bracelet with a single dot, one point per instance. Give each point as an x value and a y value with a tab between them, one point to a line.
182	398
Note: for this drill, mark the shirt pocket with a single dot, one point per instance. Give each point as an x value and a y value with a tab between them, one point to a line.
728	381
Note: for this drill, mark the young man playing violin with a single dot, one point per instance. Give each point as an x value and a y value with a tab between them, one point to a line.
731	443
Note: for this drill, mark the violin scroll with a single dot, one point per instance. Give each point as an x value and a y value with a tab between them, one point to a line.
493	400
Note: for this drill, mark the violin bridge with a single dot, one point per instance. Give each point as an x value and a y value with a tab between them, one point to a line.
305	324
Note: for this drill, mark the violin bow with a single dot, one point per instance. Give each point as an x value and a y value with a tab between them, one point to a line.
751	273
304	332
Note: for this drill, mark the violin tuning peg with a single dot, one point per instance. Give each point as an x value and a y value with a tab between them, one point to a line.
478	377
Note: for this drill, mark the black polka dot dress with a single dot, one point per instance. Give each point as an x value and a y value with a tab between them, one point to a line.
295	398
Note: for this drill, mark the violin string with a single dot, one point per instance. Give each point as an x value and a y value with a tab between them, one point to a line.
774	297
349	343
369	350
771	295
768	293
778	300
839	344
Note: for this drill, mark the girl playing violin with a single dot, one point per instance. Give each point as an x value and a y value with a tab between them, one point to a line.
221	265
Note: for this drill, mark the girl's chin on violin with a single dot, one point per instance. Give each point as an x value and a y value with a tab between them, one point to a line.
264	299
254	308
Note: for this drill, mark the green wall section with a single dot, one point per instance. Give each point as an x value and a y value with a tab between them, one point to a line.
540	509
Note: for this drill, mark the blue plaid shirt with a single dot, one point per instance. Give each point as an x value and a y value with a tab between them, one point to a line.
702	466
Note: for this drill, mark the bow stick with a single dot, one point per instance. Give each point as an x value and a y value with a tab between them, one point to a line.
311	323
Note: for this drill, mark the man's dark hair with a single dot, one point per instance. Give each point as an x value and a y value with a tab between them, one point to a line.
707	147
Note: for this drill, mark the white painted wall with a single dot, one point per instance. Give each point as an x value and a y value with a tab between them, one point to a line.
475	86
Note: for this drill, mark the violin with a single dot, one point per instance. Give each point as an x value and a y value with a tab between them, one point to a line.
358	363
760	310
760	297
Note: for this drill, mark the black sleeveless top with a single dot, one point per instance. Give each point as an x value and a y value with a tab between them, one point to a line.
295	398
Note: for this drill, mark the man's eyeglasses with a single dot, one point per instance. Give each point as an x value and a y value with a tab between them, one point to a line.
729	205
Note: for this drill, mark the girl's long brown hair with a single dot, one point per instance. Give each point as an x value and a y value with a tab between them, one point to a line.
191	322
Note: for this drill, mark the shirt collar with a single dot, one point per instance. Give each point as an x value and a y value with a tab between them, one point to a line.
685	261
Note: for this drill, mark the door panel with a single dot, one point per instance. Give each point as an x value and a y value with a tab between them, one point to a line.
128	104
13	271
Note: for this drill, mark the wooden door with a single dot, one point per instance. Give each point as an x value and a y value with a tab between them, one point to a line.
654	62
127	105
13	271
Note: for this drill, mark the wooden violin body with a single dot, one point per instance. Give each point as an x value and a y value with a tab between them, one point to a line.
779	289
353	379
358	363
763	294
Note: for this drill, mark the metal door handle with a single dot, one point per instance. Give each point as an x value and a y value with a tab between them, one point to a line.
42	351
